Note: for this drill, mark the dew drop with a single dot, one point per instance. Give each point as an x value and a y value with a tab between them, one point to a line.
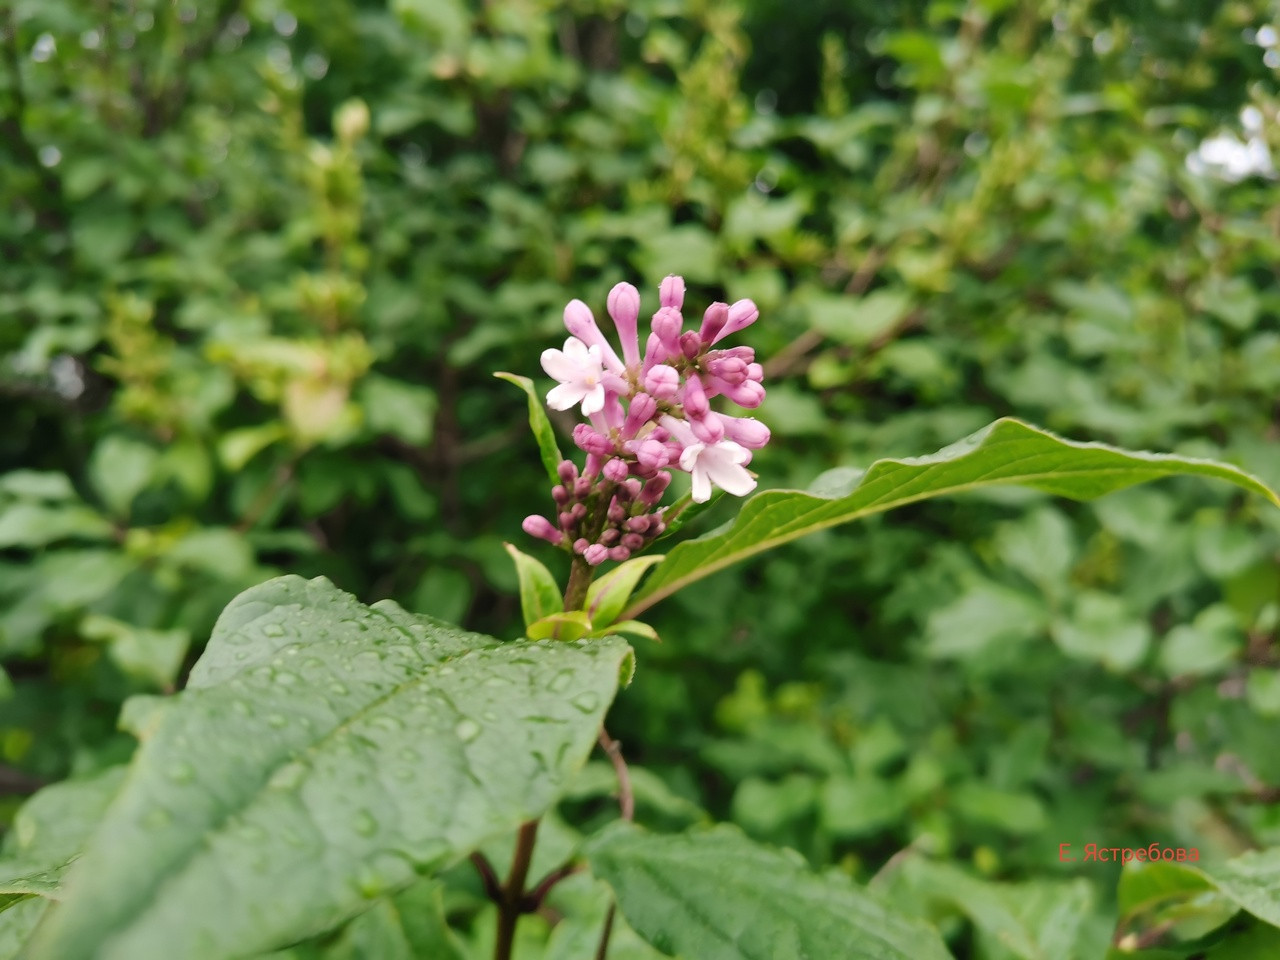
467	730
560	682
586	702
182	772
273	630
277	720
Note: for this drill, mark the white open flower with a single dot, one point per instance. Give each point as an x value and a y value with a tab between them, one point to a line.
580	372
719	464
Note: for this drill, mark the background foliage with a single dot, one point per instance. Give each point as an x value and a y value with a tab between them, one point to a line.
260	257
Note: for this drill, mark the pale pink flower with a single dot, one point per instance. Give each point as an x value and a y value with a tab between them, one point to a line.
581	375
719	464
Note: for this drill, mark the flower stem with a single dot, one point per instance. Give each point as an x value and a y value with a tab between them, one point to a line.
512	903
575	591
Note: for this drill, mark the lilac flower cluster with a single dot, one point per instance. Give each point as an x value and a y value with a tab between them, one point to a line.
648	413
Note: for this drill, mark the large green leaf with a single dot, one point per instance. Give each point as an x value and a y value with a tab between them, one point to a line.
324	753
1005	452
715	895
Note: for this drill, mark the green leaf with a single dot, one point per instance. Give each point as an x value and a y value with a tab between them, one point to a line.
539	424
539	593
715	895
154	656
50	829
318	731
403	410
1005	452
121	469
609	594
1252	880
631	628
567	625
25	524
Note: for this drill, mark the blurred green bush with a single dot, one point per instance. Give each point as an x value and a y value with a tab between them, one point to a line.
260	257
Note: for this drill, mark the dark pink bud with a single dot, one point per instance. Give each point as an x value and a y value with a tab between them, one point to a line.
568	472
690	344
616	512
633	541
631	487
615	470
595	554
567	520
655	488
542	528
662	382
713	321
581	488
641	411
578	511
671	292
695	398
580	545
658	529
619	554
560	495
637	524
610	537
592	441
651	455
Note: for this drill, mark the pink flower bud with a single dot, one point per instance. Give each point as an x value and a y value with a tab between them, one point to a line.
633	541
671	292
741	315
695	398
568	472
624	308
592	441
729	369
581	488
578	511
580	545
655	488
713	321
540	527
615	470
631	487
748	394
637	524
567	521
708	430
595	554
667	324
654	352
580	322
651	455
641	411
690	344
560	494
755	372
745	431
619	554
610	537
616	512
662	381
